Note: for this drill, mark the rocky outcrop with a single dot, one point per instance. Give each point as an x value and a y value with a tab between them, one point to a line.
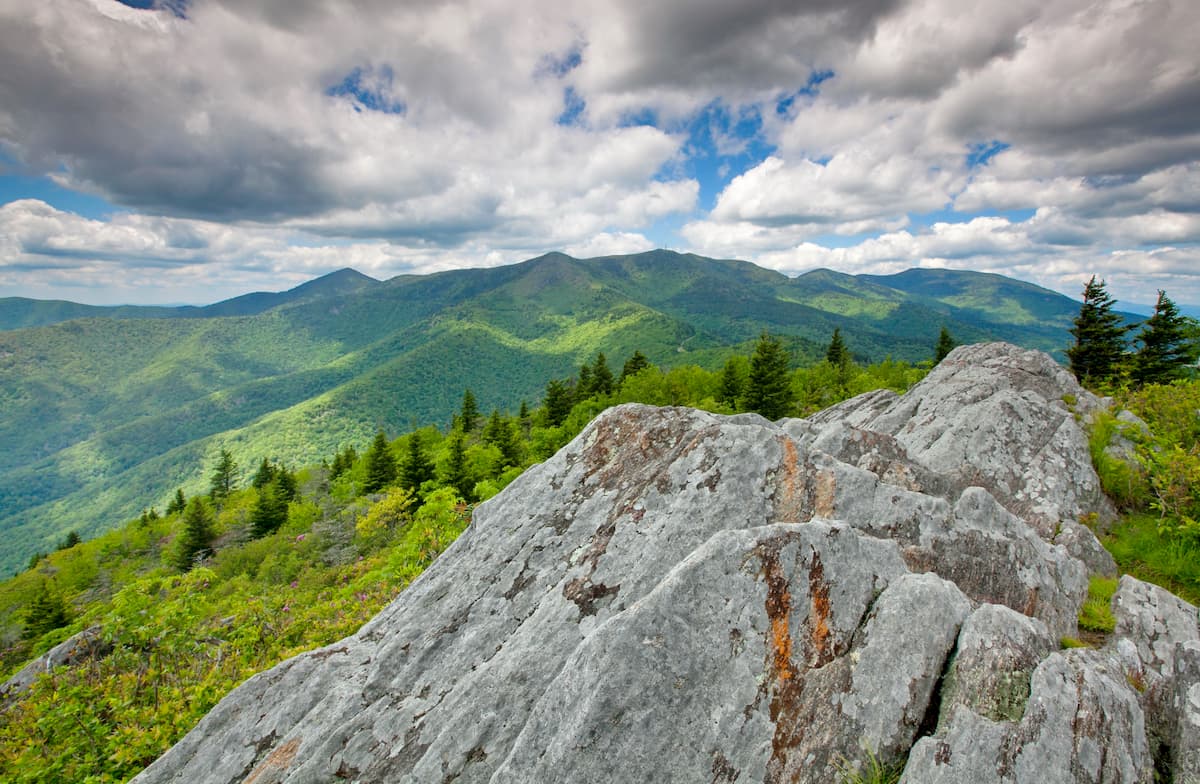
679	596
77	649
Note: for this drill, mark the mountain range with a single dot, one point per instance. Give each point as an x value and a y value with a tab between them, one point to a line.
104	411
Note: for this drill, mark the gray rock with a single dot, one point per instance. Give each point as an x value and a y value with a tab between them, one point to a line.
1081	723
77	649
679	596
1156	621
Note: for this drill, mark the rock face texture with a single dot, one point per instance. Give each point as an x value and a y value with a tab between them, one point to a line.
679	596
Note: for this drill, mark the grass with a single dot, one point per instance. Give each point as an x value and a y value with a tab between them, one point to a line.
871	770
1096	613
1142	551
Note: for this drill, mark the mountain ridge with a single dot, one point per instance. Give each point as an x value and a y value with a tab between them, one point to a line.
93	408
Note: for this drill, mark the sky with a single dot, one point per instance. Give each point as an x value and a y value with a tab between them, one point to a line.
185	151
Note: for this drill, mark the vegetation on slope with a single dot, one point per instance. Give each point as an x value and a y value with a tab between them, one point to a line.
260	589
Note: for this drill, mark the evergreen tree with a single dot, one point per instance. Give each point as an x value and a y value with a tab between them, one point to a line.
343	461
733	381
70	540
524	419
769	388
500	434
1099	336
196	536
221	484
457	474
381	465
557	402
46	612
269	511
944	346
417	468
264	475
178	503
1166	350
634	365
585	387
836	354
469	416
602	377
285	482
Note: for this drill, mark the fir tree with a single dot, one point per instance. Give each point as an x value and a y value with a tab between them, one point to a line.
264	475
195	538
285	482
634	365
557	402
1099	336
70	540
602	377
945	345
381	465
221	483
1167	350
733	381
500	434
769	388
178	502
417	469
46	612
585	386
469	416
457	474
836	354
524	419
269	511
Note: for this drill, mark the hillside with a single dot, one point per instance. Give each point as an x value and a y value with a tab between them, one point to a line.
106	415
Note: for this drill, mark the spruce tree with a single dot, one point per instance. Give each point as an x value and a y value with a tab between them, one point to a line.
264	475
733	381
769	388
381	465
178	503
945	345
469	415
269	511
602	377
524	419
457	474
634	365
46	611
1166	350
221	483
584	388
417	469
195	537
836	354
1099	336
557	402
285	482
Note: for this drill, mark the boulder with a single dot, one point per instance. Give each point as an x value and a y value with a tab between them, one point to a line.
78	648
680	596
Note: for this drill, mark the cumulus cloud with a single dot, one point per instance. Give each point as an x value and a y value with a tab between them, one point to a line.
257	137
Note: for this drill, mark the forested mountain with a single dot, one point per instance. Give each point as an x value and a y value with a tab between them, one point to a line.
104	415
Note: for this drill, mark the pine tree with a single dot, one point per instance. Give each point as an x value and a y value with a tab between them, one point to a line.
769	388
469	416
457	474
46	612
70	540
557	402
195	537
836	354
1167	349
381	465
1099	336
178	503
269	511
602	377
417	468
221	484
944	346
634	365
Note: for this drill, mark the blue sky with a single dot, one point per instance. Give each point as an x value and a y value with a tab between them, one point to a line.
190	151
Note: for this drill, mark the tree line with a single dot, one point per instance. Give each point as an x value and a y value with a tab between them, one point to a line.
1165	348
